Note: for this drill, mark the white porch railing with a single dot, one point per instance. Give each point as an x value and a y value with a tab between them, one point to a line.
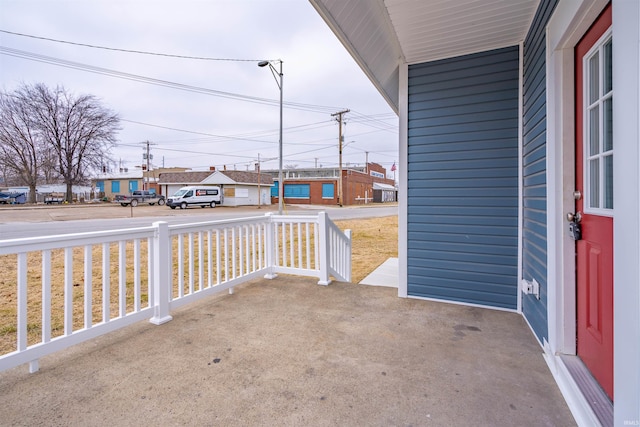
74	287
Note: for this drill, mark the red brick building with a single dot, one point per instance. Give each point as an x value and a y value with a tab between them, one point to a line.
319	186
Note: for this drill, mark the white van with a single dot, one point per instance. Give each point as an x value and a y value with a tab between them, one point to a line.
200	196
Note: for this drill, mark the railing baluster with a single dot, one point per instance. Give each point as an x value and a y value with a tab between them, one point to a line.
308	245
260	248
253	247
180	265
233	251
276	239
226	254
68	291
200	261
292	262
209	260
191	264
300	261
122	274
247	253
46	296
316	246
218	266
88	285
240	243
106	282
22	340
136	275
150	269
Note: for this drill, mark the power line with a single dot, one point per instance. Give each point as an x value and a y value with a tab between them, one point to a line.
158	82
140	52
244	137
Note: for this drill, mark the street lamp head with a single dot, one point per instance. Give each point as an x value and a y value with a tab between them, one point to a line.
263	63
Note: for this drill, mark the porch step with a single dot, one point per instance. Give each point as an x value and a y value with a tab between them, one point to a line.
593	393
385	275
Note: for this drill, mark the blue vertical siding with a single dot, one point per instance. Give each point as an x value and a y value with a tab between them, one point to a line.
463	179
534	238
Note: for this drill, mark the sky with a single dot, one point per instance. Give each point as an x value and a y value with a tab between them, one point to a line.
222	111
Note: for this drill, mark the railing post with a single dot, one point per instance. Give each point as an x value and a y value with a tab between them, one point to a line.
324	248
348	255
270	248
161	273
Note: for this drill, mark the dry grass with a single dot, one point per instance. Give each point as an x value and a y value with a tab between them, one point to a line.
373	241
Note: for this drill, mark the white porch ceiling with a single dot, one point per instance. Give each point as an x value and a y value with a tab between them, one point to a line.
380	34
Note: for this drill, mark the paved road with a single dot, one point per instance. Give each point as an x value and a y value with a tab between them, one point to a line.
32	221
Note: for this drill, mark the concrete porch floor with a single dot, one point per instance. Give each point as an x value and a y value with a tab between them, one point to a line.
288	352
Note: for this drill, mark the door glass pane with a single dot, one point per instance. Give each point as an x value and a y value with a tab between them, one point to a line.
594	146
607	68
608	182
594	78
607	123
594	183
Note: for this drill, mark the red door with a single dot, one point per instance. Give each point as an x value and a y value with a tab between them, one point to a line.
594	181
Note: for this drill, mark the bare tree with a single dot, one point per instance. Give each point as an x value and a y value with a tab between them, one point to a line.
79	130
49	169
49	134
21	149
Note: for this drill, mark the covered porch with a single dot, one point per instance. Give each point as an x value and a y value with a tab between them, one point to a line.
289	352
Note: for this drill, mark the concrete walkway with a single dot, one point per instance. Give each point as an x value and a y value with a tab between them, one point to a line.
385	275
288	352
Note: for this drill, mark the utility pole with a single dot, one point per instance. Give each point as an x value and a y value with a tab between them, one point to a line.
338	117
147	156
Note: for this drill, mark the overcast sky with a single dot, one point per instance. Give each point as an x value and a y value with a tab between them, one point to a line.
199	128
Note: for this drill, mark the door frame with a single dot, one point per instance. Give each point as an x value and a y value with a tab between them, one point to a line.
567	25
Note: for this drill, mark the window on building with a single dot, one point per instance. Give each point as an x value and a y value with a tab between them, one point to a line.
296	191
115	186
133	185
328	191
274	189
100	186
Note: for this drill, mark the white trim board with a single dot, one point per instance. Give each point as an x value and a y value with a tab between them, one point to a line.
569	21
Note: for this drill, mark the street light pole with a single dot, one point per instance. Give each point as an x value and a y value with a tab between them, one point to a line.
259	182
280	85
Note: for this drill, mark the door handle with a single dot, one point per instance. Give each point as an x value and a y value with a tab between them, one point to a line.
574	217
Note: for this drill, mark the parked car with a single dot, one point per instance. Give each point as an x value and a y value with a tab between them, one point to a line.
199	196
139	196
